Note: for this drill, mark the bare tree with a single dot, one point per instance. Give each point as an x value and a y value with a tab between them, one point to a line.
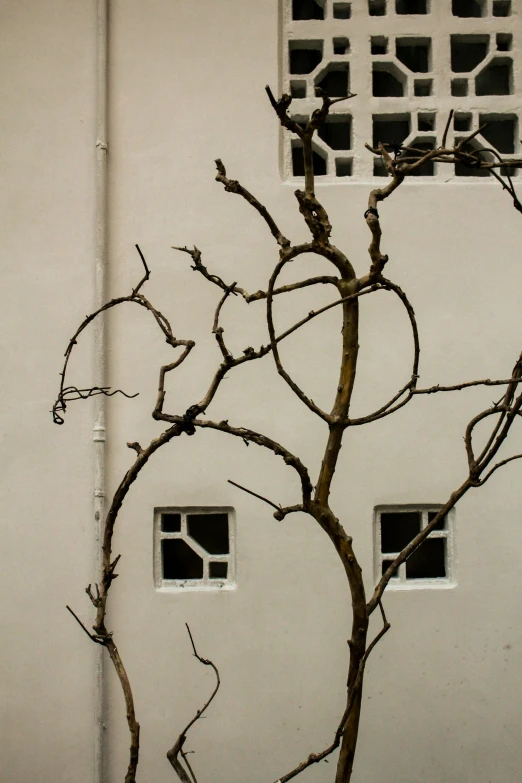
313	497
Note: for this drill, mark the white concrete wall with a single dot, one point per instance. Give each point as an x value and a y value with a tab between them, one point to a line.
47	95
441	702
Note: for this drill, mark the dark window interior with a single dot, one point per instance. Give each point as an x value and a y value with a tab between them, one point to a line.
342	10
467	51
319	163
179	560
462	122
335	82
495	79
501	7
303	59
210	531
218	570
504	42
499	131
414	53
459	88
398	528
411	6
385	565
422	87
171	523
379	44
386	84
337	132
298	89
379	168
306	9
343	167
428	561
441	524
377	7
341	45
390	130
467	8
426	122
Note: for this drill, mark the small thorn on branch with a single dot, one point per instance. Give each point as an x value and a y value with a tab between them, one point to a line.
136	446
110	572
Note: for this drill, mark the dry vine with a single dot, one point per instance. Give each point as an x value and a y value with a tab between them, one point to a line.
313	497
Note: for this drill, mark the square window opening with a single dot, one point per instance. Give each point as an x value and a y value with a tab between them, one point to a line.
304	56
426	122
504	42
378	44
411	7
343	167
341	45
377	7
432	564
422	88
462	121
342	10
298	89
501	7
459	88
468	8
307	9
194	548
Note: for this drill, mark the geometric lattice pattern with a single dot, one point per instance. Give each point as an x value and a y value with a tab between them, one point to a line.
409	62
194	548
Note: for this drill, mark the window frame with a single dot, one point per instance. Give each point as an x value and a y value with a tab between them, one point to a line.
400	581
205	583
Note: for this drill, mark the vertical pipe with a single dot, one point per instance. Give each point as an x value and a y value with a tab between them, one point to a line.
100	353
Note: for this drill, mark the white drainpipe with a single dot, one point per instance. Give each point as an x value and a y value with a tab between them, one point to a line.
99	353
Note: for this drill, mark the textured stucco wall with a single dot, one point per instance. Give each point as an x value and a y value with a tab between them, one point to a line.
441	701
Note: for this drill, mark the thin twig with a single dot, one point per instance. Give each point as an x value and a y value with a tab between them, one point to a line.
177	748
446	129
92	636
465	385
256	495
233	186
497	466
315	758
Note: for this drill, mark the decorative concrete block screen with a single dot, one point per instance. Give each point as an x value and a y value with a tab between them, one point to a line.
194	548
409	62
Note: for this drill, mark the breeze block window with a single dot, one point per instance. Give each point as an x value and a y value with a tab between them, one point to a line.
433	562
409	62
194	547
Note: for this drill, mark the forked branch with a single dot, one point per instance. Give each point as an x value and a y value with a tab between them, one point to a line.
177	749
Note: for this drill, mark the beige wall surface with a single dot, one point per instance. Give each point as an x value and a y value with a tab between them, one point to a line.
187	86
47	96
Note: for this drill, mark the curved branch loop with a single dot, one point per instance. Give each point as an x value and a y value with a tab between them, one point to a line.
409	387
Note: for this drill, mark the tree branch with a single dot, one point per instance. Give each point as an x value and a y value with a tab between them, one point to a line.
177	748
409	386
315	758
70	393
255	494
233	186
